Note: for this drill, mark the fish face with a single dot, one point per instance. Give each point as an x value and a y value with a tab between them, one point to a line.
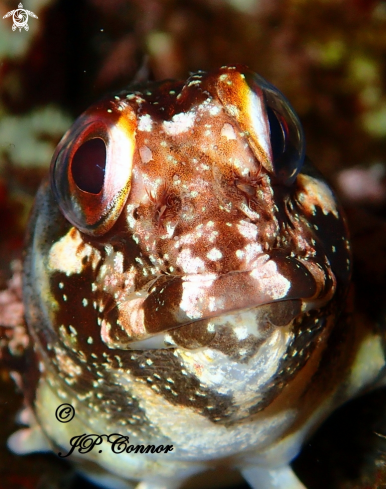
185	262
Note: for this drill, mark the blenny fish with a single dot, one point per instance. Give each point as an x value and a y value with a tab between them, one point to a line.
185	285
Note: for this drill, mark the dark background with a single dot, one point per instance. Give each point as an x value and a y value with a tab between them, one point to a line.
327	56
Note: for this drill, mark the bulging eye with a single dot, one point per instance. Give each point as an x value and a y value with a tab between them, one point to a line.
89	165
91	170
266	118
278	133
286	134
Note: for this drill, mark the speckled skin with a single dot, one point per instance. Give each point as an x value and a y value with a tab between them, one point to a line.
197	299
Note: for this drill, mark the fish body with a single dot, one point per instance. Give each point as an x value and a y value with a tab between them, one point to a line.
185	285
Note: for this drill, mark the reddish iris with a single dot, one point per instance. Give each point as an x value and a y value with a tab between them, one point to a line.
88	166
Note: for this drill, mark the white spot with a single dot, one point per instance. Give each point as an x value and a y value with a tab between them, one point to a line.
145	154
240	254
271	281
180	123
85	302
73	330
195	295
241	332
90	340
214	110
228	132
247	230
214	254
233	110
145	123
190	264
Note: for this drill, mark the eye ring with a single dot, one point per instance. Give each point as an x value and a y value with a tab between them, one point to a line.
91	171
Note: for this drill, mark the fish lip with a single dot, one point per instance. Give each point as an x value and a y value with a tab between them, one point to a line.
194	297
199	334
176	301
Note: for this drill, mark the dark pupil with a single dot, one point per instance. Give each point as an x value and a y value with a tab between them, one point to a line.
278	135
88	166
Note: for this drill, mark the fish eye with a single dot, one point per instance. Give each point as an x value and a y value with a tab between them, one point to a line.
286	134
89	165
274	126
91	171
278	133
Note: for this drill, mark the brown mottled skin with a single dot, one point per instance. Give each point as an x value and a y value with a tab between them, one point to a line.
191	293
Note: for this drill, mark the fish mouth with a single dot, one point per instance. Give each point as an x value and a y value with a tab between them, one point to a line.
175	302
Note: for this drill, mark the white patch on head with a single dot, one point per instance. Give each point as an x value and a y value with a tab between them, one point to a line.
195	296
248	230
180	123
214	254
271	281
252	251
190	264
145	154
214	110
228	132
192	237
145	123
67	254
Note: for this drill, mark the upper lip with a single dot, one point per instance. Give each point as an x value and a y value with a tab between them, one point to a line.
186	299
175	301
